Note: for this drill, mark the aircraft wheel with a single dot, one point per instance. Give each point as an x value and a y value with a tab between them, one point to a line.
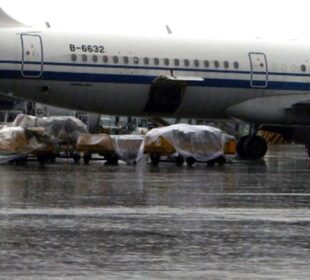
251	147
240	147
255	147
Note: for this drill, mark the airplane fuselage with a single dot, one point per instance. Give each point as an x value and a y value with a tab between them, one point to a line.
255	81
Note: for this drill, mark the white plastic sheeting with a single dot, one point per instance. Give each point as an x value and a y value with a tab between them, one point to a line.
58	129
127	146
16	142
201	142
28	134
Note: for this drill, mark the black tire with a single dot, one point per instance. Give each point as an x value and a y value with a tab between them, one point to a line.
179	160
211	163
76	157
111	159
155	159
221	160
190	161
42	158
251	147
240	147
255	147
86	158
52	157
19	161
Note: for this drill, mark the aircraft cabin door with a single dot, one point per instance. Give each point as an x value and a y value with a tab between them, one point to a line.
259	70
32	56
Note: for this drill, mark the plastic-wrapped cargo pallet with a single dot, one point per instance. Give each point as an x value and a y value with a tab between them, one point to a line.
58	129
112	147
127	146
40	136
95	143
17	141
198	142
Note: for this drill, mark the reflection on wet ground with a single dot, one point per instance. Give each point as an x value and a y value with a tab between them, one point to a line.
248	220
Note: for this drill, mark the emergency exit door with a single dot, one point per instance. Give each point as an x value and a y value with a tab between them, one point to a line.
32	56
259	70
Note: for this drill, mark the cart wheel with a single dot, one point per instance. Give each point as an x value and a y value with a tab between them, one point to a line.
190	161
86	158
179	160
155	159
52	157
19	161
23	160
221	160
211	163
76	157
42	158
111	159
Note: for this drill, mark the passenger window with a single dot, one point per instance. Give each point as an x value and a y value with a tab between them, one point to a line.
126	59
135	60
226	64
84	57
73	57
176	62
105	59
115	59
207	63
216	64
156	61
166	61
146	61
303	68
95	58
186	62
284	67
236	65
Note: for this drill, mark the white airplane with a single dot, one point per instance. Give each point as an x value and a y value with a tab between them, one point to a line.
262	83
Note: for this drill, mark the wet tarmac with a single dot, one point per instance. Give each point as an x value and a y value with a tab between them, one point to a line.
248	220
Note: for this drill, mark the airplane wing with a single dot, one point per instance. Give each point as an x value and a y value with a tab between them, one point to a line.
7	21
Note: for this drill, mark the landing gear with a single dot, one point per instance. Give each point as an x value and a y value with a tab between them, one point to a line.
251	147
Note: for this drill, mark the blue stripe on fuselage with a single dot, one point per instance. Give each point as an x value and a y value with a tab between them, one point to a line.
165	68
148	79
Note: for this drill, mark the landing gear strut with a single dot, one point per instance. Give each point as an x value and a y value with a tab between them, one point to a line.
251	146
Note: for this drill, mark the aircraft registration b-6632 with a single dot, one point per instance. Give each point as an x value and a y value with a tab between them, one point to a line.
259	82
